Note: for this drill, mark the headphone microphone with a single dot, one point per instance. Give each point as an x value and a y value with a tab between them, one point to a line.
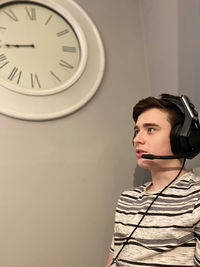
151	156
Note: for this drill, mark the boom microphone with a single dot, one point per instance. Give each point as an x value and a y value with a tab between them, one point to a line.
151	156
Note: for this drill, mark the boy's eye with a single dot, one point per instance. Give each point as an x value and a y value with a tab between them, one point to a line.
150	130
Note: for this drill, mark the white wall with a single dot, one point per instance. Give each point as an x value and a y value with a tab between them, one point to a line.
60	179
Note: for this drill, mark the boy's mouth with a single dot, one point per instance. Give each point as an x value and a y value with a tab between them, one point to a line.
140	152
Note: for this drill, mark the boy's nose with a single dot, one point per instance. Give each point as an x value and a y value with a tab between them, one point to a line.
139	138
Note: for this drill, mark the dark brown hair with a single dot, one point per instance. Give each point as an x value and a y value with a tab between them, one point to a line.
174	115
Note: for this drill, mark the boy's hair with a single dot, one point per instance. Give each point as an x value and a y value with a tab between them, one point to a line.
174	115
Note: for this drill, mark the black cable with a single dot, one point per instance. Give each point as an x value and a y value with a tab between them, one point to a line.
159	194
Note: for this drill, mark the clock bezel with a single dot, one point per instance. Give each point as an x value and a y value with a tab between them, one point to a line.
53	106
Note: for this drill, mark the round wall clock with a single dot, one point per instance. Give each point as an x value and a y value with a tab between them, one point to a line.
51	58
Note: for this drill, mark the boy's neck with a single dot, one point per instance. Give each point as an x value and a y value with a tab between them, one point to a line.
160	179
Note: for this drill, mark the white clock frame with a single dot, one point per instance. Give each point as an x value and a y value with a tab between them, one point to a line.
61	102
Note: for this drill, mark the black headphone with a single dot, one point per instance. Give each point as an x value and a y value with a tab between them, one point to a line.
185	137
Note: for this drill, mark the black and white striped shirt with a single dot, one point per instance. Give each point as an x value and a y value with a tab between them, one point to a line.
169	235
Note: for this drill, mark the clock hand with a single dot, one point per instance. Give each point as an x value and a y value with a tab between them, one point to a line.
17	45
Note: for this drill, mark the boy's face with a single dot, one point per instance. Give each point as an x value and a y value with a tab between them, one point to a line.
152	136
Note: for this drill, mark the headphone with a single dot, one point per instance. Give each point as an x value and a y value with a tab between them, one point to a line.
185	137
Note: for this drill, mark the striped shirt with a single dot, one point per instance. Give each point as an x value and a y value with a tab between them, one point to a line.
169	235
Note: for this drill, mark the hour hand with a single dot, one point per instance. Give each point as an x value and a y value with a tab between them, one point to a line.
18	45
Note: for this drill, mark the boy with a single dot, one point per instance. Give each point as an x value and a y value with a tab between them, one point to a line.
158	223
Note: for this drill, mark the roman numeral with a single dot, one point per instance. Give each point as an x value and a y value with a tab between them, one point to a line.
15	73
11	15
71	49
35	80
3	58
55	76
62	32
65	64
31	12
49	18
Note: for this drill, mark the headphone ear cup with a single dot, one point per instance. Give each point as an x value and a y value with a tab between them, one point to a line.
175	139
194	142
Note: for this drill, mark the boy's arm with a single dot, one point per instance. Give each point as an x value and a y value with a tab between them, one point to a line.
110	258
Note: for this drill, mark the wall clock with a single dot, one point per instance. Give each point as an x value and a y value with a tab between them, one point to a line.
51	58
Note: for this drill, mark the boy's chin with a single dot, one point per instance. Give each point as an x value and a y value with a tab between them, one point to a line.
144	163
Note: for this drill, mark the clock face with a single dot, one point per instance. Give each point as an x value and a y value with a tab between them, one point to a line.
40	52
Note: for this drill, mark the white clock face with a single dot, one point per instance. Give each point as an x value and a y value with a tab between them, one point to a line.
40	52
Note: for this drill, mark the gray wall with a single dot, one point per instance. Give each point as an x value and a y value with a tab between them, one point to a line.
172	41
189	43
160	22
60	179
